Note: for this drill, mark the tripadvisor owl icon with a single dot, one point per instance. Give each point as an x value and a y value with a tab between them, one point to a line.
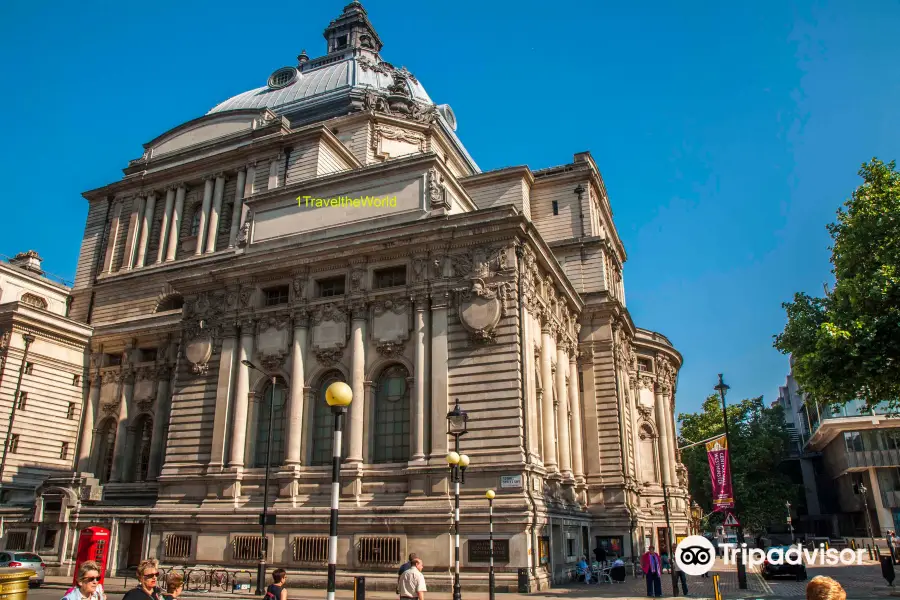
695	555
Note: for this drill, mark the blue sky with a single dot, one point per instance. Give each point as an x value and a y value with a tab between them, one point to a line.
727	133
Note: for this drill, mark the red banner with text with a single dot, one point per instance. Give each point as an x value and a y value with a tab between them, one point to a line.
720	473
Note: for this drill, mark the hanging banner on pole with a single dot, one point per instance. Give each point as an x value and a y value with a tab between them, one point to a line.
720	474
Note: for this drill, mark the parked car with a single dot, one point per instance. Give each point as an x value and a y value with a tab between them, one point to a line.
27	560
770	570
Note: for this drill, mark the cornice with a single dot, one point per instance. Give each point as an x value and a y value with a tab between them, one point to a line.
506	173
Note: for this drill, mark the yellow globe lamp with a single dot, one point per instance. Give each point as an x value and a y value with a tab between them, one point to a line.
490	494
453	458
338	395
463	460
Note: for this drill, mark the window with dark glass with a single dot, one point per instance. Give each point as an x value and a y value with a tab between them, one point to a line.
392	416
391	277
333	286
29	368
555	207
146	433
853	441
64	451
113	360
323	422
70	413
195	222
106	441
23	400
276	295
76	380
275	405
14	443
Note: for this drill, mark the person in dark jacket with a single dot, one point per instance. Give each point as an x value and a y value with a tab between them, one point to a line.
148	576
600	554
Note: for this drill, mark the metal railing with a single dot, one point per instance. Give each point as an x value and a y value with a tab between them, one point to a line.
201	579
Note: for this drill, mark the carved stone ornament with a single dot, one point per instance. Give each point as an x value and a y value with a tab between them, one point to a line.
356	279
398	104
390	349
199	346
243	237
298	285
273	361
665	373
480	307
109	409
646	381
328	356
245	296
329	312
403	139
145	405
437	194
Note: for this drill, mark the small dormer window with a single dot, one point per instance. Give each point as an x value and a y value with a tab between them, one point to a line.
283	77
340	42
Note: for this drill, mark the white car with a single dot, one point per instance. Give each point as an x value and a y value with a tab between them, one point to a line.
25	560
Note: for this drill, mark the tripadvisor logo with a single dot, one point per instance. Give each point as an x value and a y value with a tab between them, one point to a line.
695	555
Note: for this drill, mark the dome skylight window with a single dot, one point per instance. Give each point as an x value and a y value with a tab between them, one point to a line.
283	77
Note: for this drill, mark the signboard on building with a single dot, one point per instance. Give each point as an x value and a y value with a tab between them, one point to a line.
480	551
511	481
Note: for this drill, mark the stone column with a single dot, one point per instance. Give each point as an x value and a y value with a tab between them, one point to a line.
160	420
549	435
224	395
883	513
663	430
236	208
164	224
121	445
418	412
670	429
146	226
440	390
575	407
87	424
208	185
562	410
241	395
213	232
273	172
298	383
531	405
357	376
134	224
175	225
114	225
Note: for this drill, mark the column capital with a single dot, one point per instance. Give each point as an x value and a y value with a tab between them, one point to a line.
208	178
440	299
358	310
219	175
230	328
171	187
301	318
248	325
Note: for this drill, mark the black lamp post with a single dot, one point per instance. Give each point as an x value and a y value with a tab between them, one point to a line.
457	420
790	524
672	565
338	396
490	494
29	339
264	518
721	387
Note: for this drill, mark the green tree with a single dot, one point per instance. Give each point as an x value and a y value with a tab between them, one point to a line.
846	345
759	442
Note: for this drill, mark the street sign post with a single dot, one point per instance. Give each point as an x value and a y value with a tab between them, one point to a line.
731	521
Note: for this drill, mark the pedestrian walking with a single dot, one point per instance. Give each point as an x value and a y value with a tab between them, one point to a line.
651	565
683	579
600	554
405	567
276	590
148	577
174	586
89	587
824	588
412	582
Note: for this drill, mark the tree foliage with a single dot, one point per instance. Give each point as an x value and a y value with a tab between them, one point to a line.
759	442
846	345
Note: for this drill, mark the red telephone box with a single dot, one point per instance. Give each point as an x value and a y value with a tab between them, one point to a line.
93	544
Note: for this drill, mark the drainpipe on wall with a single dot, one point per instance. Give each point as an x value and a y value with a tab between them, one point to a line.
580	190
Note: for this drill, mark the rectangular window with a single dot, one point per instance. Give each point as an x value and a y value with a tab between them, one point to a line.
570	547
380	551
14	443
64	451
391	277
70	413
555	207
333	286
853	441
645	364
276	295
50	538
178	546
76	380
29	368
148	355
17	539
113	360
23	400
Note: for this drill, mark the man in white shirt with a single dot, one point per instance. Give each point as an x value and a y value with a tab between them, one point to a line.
412	582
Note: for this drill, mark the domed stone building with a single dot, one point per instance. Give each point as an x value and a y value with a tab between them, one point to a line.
331	226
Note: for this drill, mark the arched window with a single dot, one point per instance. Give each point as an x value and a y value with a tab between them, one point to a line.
392	416
33	300
106	441
648	454
144	433
323	421
195	221
266	402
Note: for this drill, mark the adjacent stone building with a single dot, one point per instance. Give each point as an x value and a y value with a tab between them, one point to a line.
331	226
42	385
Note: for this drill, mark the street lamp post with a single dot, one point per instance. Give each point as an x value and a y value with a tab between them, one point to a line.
672	565
457	419
697	516
721	387
490	496
862	491
28	339
338	396
790	525
264	518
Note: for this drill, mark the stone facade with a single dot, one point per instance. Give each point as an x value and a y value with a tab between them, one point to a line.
42	383
502	290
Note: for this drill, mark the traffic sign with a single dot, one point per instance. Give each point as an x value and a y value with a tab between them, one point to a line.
730	521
